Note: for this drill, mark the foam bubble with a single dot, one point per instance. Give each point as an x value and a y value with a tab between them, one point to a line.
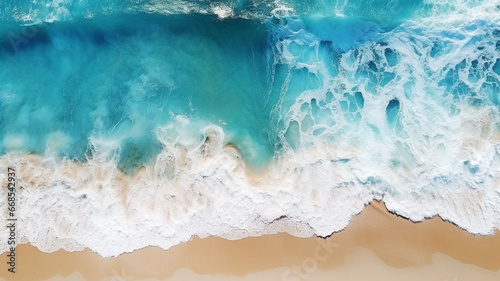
222	11
201	187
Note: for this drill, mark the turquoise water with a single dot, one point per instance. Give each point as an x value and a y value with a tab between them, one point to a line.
274	80
123	77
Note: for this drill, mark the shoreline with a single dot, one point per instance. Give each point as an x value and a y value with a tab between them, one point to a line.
397	242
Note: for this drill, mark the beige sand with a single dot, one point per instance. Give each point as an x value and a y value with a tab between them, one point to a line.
376	240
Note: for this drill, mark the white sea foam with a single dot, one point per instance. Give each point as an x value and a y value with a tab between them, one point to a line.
429	12
199	187
222	11
455	12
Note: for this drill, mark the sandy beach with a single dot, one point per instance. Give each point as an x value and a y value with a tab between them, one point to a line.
384	245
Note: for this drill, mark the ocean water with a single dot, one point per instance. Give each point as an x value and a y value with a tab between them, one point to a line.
137	123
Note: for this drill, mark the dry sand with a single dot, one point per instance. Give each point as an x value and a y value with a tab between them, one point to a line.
377	245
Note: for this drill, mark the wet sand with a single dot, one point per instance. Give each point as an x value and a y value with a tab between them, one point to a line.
375	240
